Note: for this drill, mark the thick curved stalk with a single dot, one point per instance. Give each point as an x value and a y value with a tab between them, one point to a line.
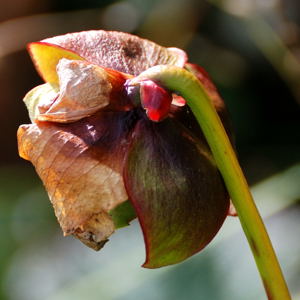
179	80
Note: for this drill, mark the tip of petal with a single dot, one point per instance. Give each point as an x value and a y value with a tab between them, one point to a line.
232	211
46	56
181	55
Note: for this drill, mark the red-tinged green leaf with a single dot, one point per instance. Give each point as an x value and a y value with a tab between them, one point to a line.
119	51
46	57
176	190
81	166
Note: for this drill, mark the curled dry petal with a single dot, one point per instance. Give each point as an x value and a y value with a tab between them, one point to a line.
155	100
83	89
39	96
81	166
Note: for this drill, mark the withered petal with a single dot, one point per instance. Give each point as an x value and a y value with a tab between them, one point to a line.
81	166
176	190
119	51
84	89
41	95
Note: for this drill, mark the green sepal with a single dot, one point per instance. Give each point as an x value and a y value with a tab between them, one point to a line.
123	214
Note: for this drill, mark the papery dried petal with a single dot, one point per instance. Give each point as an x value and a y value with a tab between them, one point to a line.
81	166
176	190
42	95
119	51
83	89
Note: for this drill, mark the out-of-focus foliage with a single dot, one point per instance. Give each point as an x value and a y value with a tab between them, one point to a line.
252	51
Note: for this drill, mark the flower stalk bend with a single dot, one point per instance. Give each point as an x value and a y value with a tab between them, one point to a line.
187	85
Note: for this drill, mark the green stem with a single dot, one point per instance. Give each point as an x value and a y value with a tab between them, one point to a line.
181	81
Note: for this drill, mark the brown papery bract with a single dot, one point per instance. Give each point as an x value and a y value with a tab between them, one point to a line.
84	89
79	164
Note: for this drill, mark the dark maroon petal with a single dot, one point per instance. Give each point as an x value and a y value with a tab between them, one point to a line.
176	190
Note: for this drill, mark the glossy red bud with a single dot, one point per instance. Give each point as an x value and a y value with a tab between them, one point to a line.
155	100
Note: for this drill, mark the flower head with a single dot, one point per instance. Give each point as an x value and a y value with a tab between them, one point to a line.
107	151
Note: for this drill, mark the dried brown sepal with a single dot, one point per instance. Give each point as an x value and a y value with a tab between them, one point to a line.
81	167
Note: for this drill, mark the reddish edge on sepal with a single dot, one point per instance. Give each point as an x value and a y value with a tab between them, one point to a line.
46	56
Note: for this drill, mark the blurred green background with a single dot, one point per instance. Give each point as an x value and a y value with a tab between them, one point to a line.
252	51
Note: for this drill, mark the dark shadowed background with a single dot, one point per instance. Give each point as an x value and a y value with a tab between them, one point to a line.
251	49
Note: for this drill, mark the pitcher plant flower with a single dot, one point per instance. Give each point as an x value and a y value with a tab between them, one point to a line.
108	151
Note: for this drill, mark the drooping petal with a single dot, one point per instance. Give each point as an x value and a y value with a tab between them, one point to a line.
119	51
176	189
46	57
83	89
81	166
